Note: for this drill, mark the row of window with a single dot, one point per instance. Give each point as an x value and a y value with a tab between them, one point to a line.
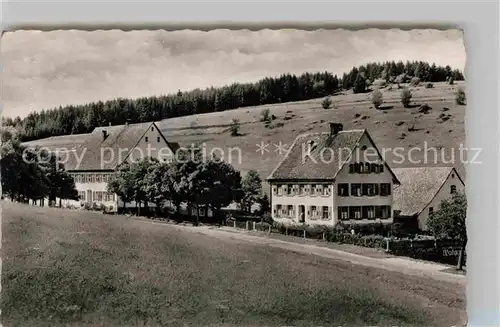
92	178
313	212
302	189
366	168
97	196
364	212
367	189
325	212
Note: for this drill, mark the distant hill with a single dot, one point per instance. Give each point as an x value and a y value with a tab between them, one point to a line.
283	89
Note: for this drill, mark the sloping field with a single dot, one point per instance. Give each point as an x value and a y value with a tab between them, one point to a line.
74	268
386	125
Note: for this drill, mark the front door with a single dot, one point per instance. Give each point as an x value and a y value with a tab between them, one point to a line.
302	214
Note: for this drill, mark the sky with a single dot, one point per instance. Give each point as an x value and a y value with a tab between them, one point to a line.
42	70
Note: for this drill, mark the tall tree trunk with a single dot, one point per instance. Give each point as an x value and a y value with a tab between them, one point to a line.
60	202
460	263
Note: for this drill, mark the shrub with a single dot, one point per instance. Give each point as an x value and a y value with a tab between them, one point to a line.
235	127
451	81
377	99
406	97
415	81
326	103
460	97
429	86
359	84
265	115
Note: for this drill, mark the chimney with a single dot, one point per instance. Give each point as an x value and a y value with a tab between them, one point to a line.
335	128
104	134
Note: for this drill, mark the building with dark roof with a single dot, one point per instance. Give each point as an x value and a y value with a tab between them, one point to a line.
329	177
422	189
340	176
92	158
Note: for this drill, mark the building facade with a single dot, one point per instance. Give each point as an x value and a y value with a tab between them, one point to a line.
330	177
422	190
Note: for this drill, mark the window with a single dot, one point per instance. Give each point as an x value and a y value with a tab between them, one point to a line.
385	189
453	189
92	178
369	212
354	212
152	128
280	190
326	190
302	190
326	212
356	189
275	189
373	168
367	168
146	138
289	189
360	168
381	168
386	212
343	189
351	168
97	196
368	189
314	212
290	211
81	195
99	178
343	213
431	210
279	210
313	189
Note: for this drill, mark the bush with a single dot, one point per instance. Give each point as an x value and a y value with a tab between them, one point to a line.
415	81
406	97
326	103
451	81
265	115
377	98
235	127
460	97
359	84
429	86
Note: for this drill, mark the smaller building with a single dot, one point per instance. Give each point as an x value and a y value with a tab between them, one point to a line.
421	191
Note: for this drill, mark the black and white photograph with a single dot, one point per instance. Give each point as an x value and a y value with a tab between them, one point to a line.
234	177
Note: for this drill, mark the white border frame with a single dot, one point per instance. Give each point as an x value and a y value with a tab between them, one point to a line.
479	19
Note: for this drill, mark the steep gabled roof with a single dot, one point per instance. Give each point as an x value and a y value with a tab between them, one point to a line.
93	152
419	186
335	150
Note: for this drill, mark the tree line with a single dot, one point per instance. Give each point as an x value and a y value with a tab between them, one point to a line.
29	174
77	119
191	180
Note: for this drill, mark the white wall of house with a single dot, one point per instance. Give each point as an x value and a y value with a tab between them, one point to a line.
377	207
151	145
301	197
346	177
444	193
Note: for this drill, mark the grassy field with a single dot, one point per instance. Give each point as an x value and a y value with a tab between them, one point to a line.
386	125
71	268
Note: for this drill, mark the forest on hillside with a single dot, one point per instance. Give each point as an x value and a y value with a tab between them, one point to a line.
76	119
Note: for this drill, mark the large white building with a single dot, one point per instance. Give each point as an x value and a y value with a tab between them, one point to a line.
92	158
340	176
330	177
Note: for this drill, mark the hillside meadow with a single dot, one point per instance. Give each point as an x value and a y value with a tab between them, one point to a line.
391	126
80	268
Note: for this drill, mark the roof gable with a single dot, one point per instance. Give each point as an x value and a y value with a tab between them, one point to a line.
324	160
419	186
